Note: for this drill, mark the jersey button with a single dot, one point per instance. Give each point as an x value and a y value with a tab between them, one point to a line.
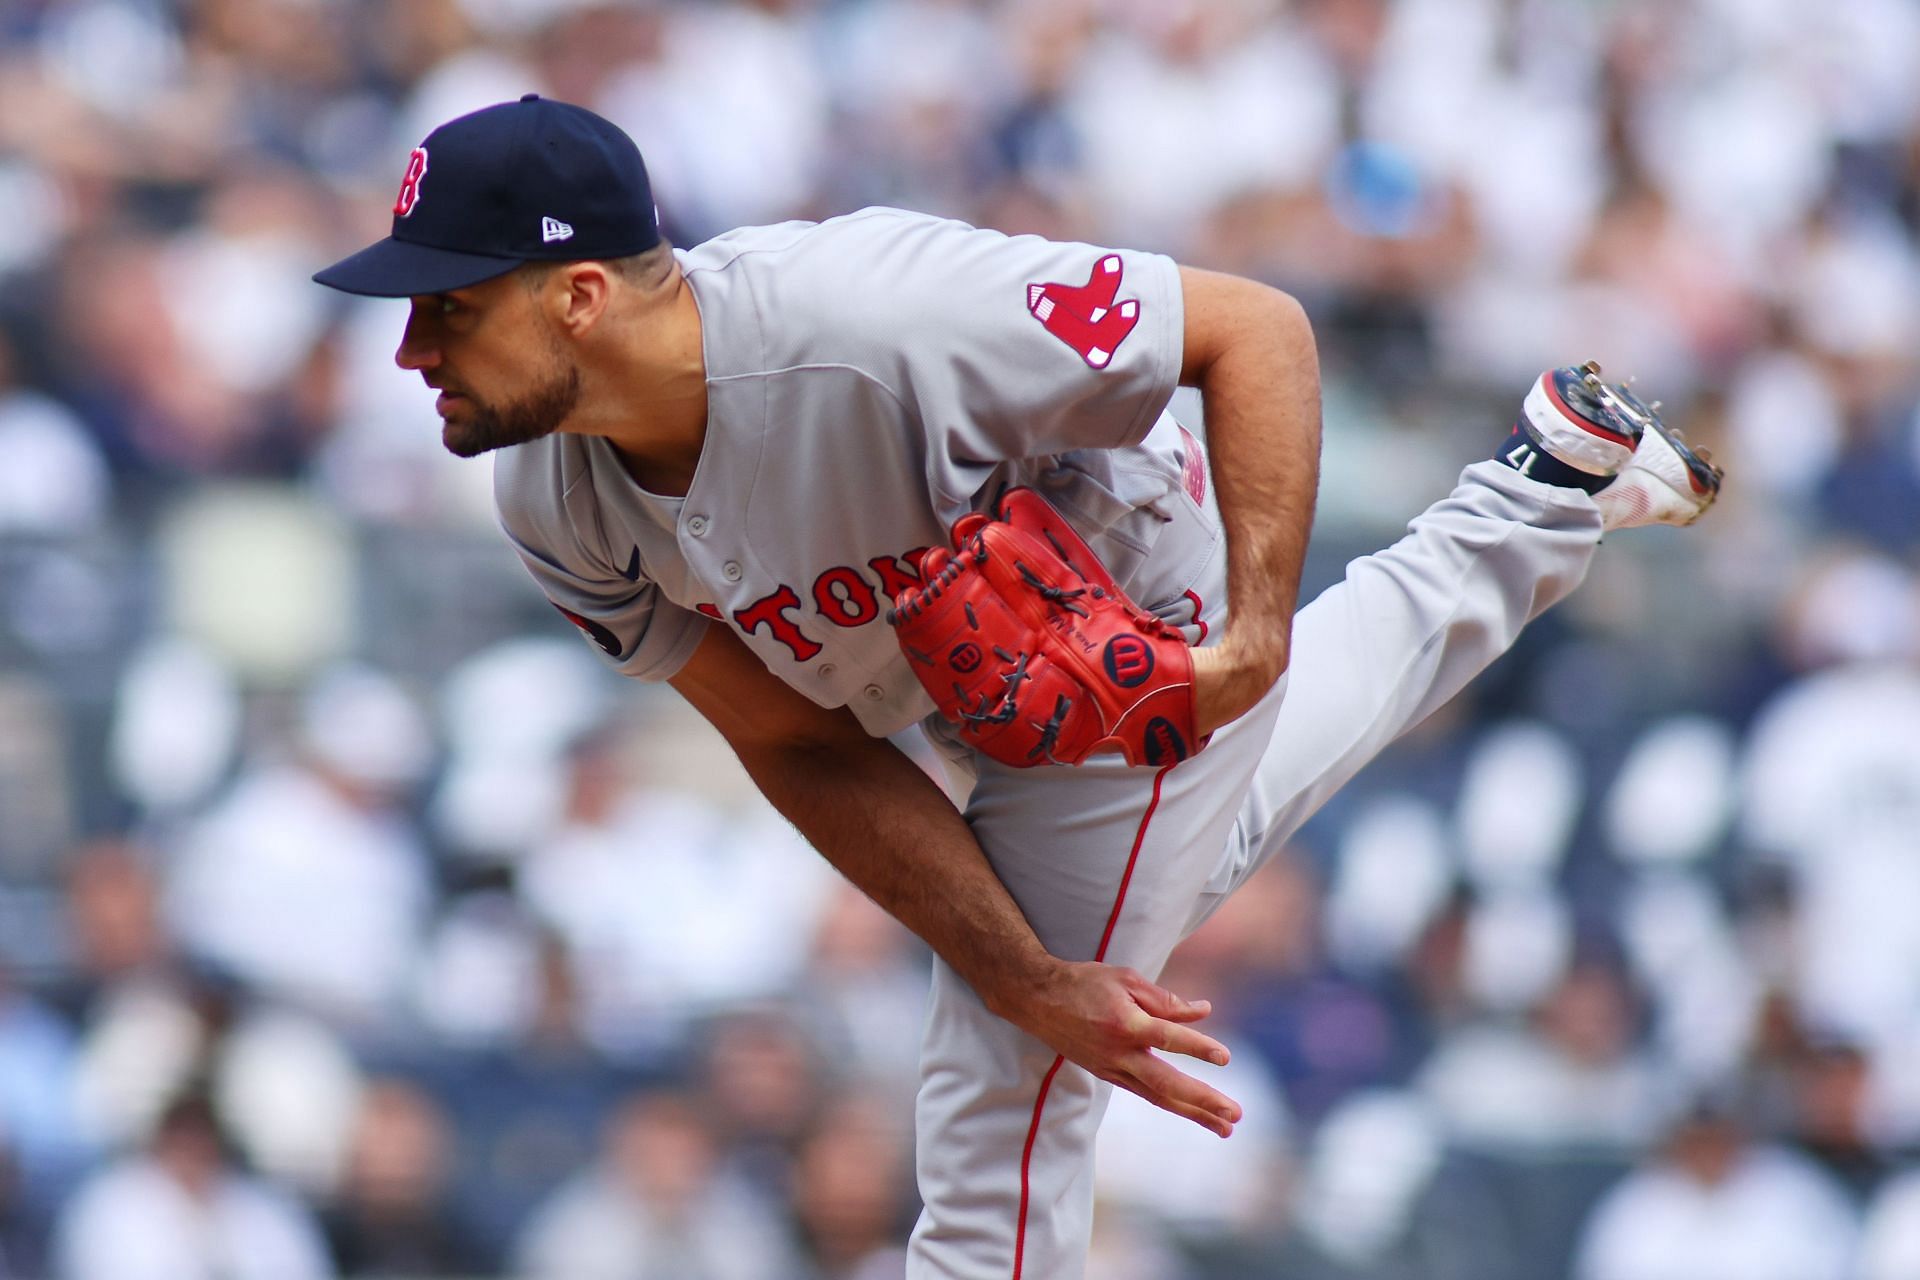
874	693
825	669
730	571
696	525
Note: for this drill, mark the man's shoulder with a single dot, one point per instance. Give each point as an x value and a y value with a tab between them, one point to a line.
854	232
806	293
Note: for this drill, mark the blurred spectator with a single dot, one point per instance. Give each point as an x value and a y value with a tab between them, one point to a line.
764	1079
283	1081
524	1089
851	1195
1715	1204
56	482
1675	794
183	1207
22	1232
392	1215
1571	1078
863	994
657	1206
1323	1033
119	939
1832	1118
1890	1239
1165	75
324	829
671	906
1394	872
518	717
487	979
288	1088
747	71
43	1141
1372	1162
145	1037
1434	977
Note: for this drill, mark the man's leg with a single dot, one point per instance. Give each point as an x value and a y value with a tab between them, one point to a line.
1400	636
1106	862
1410	626
1120	864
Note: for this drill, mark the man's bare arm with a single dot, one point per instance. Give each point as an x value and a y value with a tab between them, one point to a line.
886	827
1250	351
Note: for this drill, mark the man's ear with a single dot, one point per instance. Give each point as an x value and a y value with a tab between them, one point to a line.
578	296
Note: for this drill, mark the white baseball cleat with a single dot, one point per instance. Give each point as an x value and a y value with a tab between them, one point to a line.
1667	481
1567	415
1577	429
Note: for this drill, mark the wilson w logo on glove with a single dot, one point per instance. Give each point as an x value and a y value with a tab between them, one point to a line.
1026	643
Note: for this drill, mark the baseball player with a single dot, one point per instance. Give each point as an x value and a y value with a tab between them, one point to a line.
770	470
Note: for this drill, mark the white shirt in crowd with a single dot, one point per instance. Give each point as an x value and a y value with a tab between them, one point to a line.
1774	1217
132	1221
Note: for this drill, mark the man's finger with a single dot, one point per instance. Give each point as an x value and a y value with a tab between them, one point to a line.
1189	1043
1162	1003
1208	1118
1172	1089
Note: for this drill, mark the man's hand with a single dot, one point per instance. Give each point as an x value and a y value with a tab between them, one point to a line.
1109	1020
1228	680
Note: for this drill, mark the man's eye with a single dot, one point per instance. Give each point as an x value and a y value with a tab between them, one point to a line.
448	306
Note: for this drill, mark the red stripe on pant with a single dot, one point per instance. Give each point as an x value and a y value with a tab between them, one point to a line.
1046	1084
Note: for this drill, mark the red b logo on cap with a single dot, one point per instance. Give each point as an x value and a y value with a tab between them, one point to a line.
410	185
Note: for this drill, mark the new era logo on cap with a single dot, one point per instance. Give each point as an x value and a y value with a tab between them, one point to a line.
552	229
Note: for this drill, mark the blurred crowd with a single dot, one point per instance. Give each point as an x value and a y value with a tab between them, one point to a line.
355	922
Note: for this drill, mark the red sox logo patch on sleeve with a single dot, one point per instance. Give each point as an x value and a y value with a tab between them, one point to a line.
1084	315
410	185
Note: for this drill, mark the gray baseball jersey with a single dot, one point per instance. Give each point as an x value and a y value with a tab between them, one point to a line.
870	380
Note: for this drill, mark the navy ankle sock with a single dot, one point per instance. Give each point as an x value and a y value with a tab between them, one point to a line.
1521	450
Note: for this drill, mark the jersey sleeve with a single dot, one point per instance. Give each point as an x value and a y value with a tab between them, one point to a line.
636	629
1003	347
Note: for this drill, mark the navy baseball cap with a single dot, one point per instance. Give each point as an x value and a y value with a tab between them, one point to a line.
533	180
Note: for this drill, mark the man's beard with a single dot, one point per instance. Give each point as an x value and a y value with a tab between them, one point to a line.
536	414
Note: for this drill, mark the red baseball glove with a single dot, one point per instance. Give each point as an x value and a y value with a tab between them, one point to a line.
1026	643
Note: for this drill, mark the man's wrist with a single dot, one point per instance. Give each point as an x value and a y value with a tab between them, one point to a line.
1230	677
1018	981
1243	665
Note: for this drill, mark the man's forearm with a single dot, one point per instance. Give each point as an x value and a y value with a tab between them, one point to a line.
1262	399
1263	428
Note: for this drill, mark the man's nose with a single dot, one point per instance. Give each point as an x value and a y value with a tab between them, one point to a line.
415	351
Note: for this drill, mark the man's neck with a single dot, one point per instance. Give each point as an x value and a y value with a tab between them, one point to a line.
654	411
